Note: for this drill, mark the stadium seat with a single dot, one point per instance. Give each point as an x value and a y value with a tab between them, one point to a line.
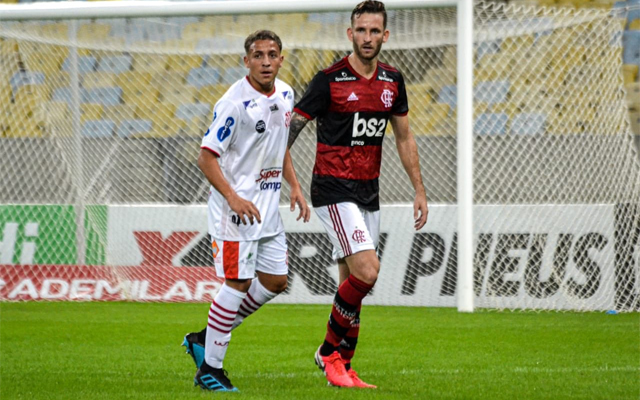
93	32
633	95
167	79
149	63
46	63
117	64
183	63
119	112
448	95
198	30
58	79
232	74
64	94
85	64
203	76
92	80
188	112
491	92
211	93
102	128
39	92
634	15
134	127
428	123
167	127
90	112
631	43
528	124
157	112
178	94
634	25
141	95
491	124
109	96
57	30
23	78
630	73
487	47
158	30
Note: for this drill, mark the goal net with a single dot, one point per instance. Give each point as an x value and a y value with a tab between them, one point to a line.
101	121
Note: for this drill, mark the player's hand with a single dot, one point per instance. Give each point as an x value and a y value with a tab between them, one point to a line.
244	208
298	198
420	210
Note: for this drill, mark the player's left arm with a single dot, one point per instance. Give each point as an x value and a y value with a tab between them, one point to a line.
296	196
408	152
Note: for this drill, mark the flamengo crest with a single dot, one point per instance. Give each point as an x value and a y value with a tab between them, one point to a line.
387	98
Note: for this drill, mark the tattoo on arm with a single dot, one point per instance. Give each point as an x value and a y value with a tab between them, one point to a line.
297	123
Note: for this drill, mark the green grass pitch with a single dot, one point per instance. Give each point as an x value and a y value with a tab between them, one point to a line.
132	351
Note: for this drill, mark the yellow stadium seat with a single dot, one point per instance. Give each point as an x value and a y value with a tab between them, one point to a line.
178	94
149	63
167	127
44	62
92	80
90	111
120	112
198	30
211	93
140	95
634	25
155	112
23	127
197	127
58	30
58	79
93	32
132	79
421	94
630	73
8	46
633	95
183	63
634	116
425	120
168	79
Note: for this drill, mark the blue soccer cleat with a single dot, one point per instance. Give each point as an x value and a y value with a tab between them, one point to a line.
214	379
195	347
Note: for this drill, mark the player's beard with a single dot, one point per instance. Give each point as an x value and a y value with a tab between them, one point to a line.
373	55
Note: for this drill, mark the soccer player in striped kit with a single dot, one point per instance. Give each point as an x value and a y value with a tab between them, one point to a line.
353	100
244	156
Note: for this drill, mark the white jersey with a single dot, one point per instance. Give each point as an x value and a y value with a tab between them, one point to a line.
249	133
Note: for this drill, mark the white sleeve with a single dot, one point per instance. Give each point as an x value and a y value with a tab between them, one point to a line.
226	119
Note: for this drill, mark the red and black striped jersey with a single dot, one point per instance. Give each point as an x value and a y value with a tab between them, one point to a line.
352	114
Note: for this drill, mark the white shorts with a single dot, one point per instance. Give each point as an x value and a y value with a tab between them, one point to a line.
241	260
350	228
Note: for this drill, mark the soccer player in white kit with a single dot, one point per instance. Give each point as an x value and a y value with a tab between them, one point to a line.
244	156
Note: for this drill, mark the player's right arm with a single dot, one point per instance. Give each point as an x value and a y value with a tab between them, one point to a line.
314	102
216	142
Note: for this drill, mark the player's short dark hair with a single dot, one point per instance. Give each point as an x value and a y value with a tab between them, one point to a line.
371	7
263	34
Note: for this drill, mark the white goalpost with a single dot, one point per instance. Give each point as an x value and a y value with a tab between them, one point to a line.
103	104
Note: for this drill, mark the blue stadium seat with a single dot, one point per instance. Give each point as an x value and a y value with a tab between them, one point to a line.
188	112
233	74
448	95
131	127
631	43
24	78
64	95
85	64
633	14
488	47
115	64
491	124
528	124
491	92
101	128
203	76
109	96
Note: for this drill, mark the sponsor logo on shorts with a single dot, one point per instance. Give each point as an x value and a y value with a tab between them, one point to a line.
215	249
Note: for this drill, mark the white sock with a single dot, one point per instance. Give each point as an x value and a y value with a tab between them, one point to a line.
256	297
222	313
